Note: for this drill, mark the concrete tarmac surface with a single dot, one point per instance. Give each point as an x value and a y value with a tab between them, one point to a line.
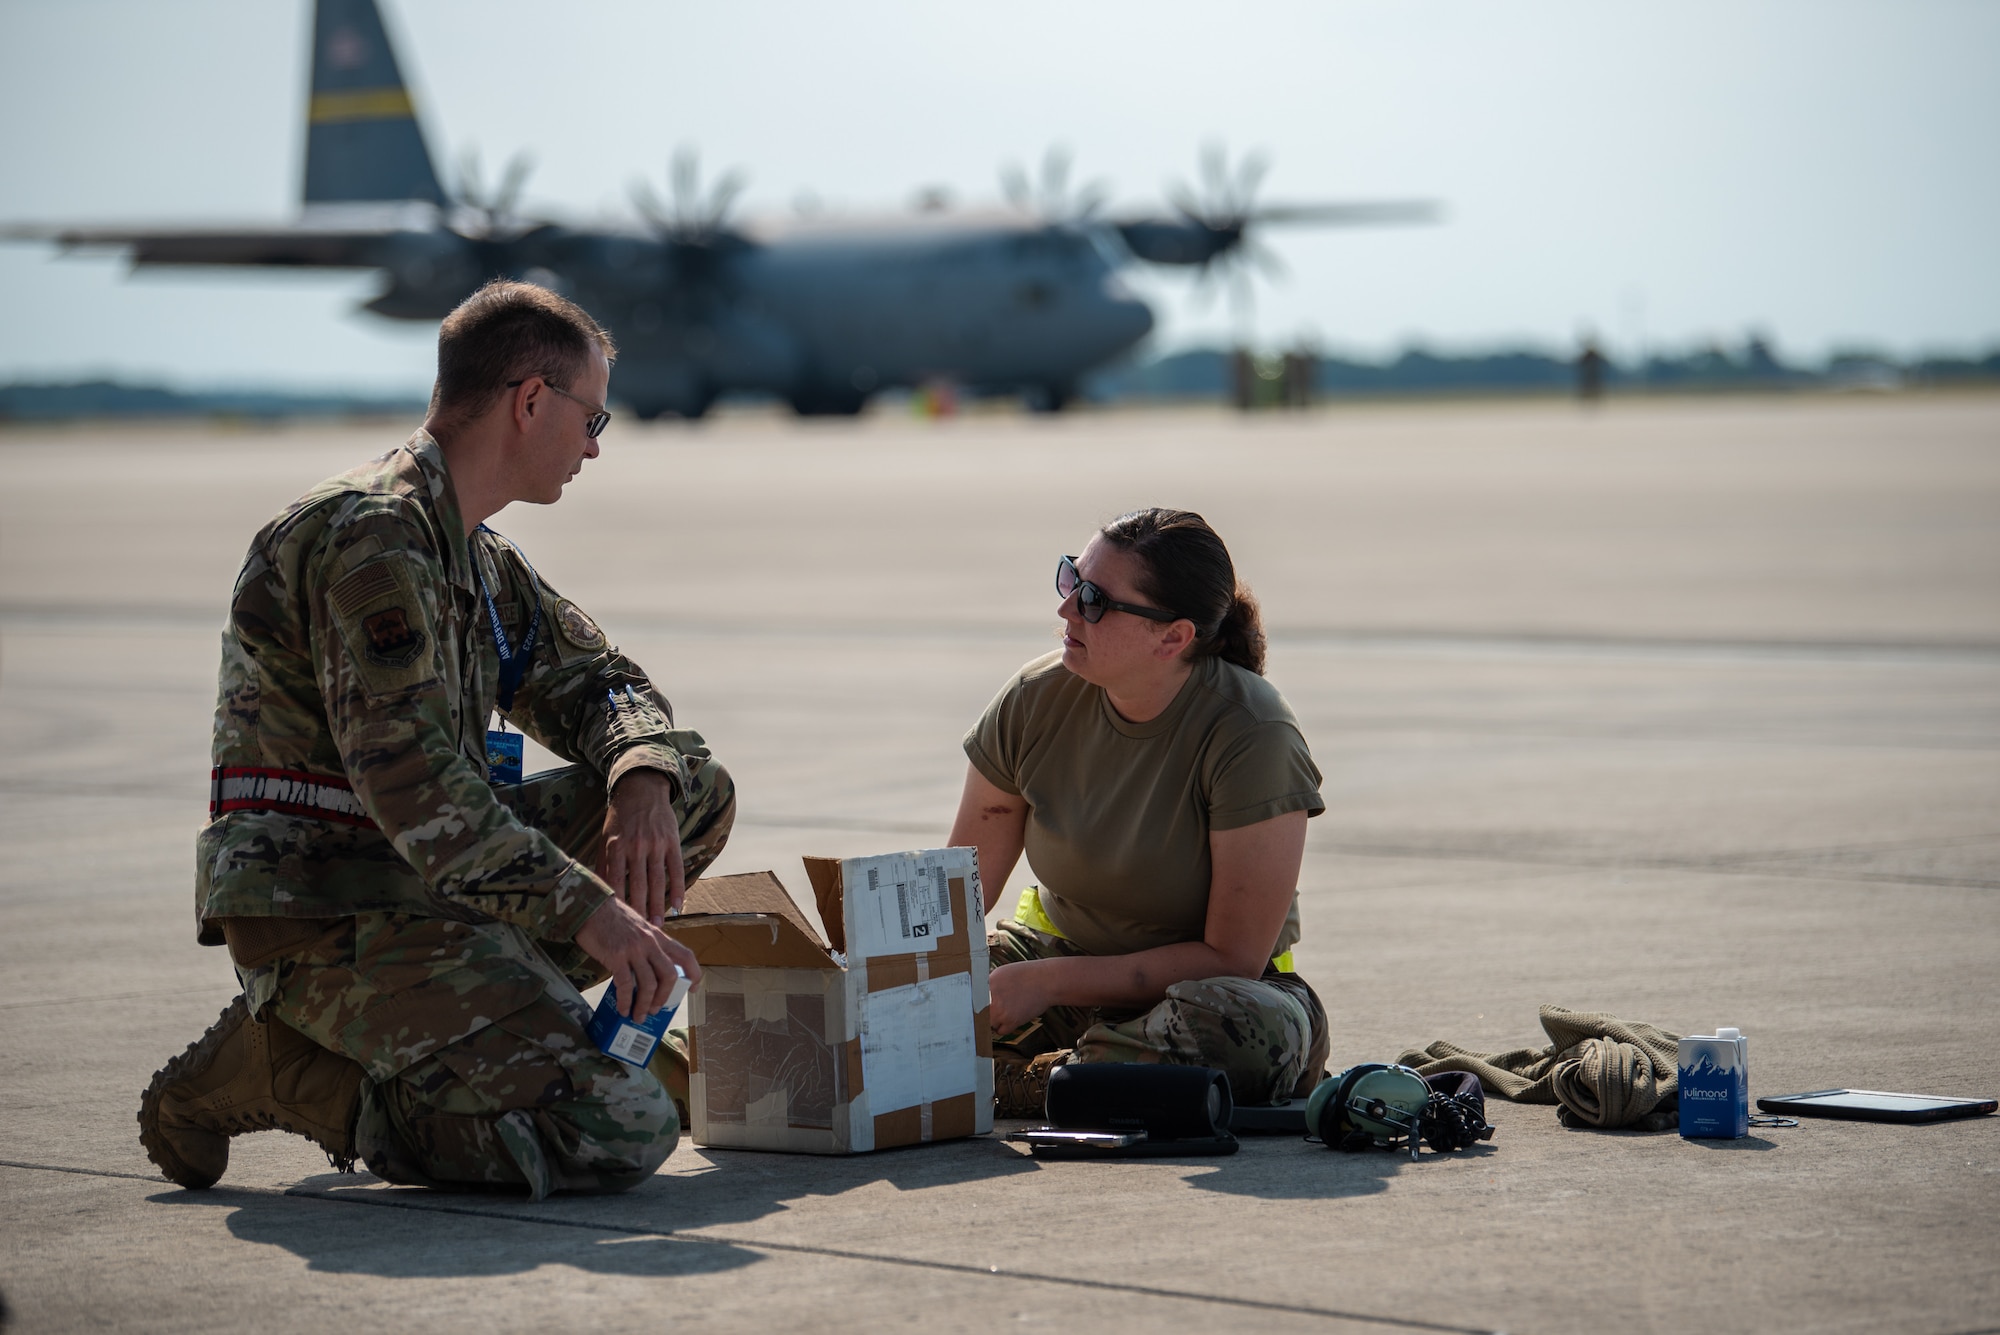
1685	710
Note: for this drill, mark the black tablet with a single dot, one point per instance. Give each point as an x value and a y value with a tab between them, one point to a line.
1875	1105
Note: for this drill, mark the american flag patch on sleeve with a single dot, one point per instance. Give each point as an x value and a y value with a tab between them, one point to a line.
364	586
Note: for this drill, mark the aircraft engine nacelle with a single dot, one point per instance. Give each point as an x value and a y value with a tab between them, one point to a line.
1187	242
429	273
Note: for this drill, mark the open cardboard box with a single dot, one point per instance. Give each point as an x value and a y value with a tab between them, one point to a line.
878	1039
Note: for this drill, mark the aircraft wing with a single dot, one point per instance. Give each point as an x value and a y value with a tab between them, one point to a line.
1351	215
294	246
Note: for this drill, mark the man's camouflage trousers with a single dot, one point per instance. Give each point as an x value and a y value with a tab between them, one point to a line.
1267	1034
479	1073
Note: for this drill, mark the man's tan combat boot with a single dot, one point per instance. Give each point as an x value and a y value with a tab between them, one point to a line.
246	1075
1021	1087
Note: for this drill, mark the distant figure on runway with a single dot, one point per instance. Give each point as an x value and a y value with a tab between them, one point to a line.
1590	364
1160	787
412	921
1297	380
1242	380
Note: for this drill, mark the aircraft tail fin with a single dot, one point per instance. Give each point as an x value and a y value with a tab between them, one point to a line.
362	137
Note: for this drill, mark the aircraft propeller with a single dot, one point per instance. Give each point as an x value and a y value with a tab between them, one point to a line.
1051	199
1223	206
1213	230
1226	201
688	216
492	211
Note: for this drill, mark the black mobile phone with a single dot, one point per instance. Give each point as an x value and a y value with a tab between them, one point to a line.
1875	1105
1049	1142
1049	1137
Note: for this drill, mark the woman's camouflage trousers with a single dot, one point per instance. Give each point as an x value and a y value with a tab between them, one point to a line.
1267	1034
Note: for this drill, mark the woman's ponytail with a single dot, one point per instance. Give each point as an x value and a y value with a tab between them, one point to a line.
1240	637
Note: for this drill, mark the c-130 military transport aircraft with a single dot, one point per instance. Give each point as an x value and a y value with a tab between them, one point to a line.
819	313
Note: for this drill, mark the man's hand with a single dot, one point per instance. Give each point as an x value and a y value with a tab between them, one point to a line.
639	955
642	845
1019	994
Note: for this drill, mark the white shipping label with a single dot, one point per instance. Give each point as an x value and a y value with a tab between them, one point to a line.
897	903
917	1043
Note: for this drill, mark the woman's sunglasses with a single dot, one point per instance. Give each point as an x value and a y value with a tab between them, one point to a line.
1091	601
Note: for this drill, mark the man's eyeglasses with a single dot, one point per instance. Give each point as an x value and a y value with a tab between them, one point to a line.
594	425
1091	601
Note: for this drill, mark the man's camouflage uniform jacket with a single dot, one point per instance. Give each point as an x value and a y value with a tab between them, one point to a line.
359	650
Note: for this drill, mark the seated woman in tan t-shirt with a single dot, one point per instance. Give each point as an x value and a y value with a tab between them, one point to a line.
1160	787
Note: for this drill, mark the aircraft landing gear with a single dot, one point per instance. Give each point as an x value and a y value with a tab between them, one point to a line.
696	408
1042	399
829	402
690	409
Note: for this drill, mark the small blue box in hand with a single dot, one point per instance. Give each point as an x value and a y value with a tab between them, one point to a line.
633	1041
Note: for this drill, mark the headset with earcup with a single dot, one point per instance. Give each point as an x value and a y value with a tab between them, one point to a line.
1378	1103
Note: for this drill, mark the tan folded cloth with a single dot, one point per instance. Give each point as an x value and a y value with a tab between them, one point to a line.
1601	1070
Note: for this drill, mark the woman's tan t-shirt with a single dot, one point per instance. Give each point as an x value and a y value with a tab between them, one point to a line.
1119	812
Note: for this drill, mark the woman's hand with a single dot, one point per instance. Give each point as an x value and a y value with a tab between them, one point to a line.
1020	994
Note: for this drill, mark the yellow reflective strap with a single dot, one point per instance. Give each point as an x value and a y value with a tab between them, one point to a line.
1029	913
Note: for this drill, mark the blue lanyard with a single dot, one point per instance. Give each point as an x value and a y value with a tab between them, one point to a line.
513	659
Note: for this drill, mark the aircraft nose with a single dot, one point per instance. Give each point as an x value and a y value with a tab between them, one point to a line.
1123	318
1135	317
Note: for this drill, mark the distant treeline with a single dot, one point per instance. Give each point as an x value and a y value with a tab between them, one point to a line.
1200	373
108	398
1204	373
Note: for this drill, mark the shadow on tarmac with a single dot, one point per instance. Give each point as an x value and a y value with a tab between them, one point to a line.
1739	1145
403	1233
411	1233
1307	1171
449	1236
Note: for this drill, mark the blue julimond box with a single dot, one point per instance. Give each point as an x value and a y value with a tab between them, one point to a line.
1715	1085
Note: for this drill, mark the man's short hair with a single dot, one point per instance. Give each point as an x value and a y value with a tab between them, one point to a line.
506	331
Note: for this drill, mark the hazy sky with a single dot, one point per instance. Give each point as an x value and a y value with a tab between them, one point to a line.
1823	170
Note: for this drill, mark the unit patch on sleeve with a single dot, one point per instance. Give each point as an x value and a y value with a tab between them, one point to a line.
576	626
392	641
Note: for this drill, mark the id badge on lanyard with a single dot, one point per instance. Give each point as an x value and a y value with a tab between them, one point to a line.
504	749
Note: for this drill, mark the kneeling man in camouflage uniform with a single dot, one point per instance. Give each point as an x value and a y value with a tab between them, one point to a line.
410	921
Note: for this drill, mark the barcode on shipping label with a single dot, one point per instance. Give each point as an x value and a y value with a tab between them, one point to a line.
632	1044
904	904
